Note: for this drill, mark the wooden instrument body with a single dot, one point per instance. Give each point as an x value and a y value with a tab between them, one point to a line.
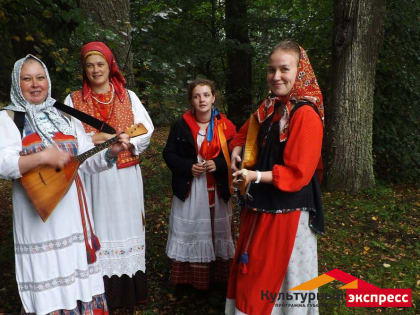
250	149
46	186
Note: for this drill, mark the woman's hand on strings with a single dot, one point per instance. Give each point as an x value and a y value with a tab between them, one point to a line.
54	157
50	156
123	143
243	175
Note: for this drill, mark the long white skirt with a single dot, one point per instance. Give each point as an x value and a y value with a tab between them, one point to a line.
118	212
190	234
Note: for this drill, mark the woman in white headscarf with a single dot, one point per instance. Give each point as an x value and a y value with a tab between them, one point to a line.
55	260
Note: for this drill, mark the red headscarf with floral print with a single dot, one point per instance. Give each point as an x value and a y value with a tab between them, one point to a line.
305	88
115	75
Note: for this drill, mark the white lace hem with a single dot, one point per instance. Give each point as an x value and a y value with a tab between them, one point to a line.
200	251
122	266
122	257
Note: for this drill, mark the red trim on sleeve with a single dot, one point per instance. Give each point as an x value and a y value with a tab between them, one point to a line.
302	153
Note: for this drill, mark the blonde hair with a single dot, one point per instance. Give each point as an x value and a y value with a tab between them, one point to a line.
287	45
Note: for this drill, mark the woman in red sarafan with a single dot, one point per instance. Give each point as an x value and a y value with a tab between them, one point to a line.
282	211
200	241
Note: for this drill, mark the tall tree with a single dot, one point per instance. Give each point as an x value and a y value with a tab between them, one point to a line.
115	16
239	78
358	35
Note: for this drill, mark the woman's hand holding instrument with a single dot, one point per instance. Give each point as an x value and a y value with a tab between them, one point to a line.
249	156
46	185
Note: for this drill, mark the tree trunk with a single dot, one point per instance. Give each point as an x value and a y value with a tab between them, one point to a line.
358	36
238	79
115	16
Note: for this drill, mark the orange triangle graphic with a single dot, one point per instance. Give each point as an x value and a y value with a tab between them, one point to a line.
314	283
351	285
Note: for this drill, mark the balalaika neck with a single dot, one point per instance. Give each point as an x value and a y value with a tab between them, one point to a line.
82	157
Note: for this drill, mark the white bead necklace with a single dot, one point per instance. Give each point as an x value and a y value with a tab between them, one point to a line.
112	96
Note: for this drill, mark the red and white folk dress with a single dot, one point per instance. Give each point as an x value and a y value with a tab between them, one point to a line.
52	270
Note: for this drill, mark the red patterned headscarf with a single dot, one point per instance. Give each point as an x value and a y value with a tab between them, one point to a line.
115	75
305	88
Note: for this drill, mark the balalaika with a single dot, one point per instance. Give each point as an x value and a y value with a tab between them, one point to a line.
46	186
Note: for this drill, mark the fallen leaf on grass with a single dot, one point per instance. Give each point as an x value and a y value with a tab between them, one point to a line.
389	258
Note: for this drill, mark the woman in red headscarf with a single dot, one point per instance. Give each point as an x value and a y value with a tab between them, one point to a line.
200	241
276	250
116	194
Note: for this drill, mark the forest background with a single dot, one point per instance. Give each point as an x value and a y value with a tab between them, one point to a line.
172	42
161	45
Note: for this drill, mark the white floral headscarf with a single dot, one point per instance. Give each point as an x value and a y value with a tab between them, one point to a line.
36	113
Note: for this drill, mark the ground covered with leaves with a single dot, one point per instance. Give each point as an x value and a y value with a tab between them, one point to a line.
373	236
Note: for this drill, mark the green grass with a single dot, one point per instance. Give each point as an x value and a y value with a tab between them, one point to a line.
372	235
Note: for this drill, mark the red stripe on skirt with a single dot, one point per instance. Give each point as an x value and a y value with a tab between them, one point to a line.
269	253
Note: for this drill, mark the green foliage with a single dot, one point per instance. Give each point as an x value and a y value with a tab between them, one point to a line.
176	41
41	29
309	22
396	136
53	31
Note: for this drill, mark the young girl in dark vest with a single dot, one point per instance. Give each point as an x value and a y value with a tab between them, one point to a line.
200	237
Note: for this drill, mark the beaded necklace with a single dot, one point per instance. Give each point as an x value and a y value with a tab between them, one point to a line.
112	96
101	110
